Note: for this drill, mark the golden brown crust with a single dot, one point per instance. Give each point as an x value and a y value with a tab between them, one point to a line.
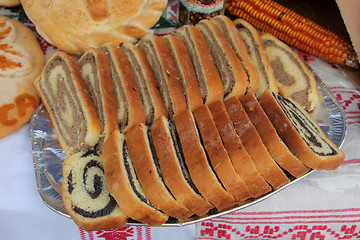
241	160
120	187
187	72
200	171
294	78
275	146
146	171
19	98
266	166
152	85
135	110
9	3
294	140
218	156
162	63
234	38
172	172
78	25
200	55
106	105
92	120
231	71
257	52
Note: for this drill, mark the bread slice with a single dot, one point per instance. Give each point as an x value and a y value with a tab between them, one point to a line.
153	103
237	43
123	183
85	193
265	164
186	71
129	108
293	77
241	160
166	73
207	75
143	155
275	146
68	102
256	50
95	69
196	161
218	156
173	168
301	133
232	74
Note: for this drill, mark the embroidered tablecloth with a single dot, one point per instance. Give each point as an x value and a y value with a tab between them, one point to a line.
324	205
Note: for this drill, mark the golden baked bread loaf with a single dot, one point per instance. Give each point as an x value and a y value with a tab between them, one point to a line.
9	3
294	78
21	62
74	26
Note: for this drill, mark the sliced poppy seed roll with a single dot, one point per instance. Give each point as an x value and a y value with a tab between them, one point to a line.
173	168
86	195
124	185
301	133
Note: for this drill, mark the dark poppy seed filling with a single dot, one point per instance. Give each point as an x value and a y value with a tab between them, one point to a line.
307	130
87	187
70	183
107	210
180	157
153	153
96	179
130	171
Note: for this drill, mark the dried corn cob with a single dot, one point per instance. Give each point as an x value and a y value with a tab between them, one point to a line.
295	30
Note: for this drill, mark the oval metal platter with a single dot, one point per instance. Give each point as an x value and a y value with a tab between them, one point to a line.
48	155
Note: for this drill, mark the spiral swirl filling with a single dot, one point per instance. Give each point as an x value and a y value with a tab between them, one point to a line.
63	102
308	131
90	195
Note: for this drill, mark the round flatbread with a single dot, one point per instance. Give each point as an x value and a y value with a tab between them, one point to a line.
21	62
74	26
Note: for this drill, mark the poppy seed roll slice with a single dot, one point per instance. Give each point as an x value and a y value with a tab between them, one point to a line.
86	195
124	184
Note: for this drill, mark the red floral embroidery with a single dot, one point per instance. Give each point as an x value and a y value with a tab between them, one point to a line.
349	98
116	234
308	58
298	232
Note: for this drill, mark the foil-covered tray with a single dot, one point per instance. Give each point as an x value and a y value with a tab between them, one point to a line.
48	155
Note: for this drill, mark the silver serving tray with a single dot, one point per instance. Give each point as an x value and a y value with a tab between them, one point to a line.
48	155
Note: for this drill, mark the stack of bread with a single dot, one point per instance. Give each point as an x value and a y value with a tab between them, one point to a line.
173	128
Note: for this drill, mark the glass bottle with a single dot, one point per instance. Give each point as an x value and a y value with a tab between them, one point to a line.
192	11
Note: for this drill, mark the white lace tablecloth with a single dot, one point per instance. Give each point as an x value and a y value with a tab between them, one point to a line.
324	205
